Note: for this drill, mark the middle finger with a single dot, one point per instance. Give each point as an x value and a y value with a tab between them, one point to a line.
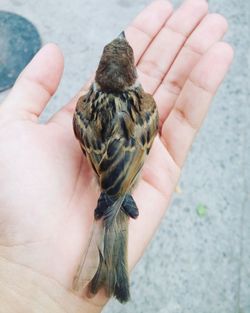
163	50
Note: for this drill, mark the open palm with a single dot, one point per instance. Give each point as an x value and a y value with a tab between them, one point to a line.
48	191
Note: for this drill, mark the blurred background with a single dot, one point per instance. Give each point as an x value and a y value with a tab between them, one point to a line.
199	260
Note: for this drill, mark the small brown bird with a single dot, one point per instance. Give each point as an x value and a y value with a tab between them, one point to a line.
115	123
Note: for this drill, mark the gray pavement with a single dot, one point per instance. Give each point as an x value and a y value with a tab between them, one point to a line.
198	262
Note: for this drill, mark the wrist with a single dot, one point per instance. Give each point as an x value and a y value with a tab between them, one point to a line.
23	290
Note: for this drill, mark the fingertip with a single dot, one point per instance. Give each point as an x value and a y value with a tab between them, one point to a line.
53	49
156	13
211	70
188	15
48	51
211	30
147	25
49	55
165	5
46	67
199	4
36	83
223	51
219	21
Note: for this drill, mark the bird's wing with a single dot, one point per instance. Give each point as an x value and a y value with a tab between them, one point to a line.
90	142
133	134
116	142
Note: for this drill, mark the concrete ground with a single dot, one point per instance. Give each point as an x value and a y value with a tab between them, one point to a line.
199	262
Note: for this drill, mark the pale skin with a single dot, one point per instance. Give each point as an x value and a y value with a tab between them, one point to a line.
48	193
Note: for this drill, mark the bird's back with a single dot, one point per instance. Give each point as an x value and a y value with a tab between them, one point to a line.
116	131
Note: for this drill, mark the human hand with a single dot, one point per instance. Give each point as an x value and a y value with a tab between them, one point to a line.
48	193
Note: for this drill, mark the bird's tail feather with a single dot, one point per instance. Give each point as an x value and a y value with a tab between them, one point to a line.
111	251
90	258
112	272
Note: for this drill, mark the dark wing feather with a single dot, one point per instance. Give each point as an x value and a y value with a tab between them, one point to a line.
83	121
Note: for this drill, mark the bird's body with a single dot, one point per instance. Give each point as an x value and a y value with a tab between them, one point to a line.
115	122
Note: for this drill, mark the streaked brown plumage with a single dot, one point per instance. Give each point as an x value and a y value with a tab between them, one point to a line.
115	122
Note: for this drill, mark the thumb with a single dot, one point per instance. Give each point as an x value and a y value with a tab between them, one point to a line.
36	84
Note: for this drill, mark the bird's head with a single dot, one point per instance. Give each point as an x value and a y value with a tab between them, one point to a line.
116	70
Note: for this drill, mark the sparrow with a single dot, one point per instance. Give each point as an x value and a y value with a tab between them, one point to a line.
115	124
